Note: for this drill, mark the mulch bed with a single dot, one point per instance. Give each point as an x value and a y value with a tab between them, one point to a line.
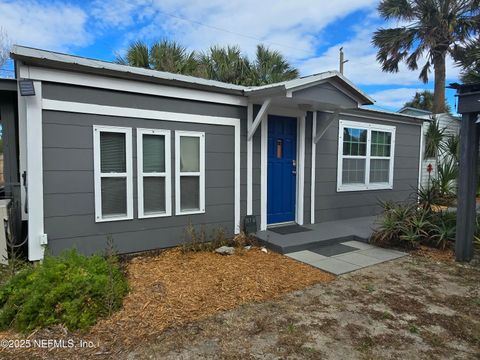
173	288
445	255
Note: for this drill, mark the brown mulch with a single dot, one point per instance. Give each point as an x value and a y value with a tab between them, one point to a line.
445	255
174	288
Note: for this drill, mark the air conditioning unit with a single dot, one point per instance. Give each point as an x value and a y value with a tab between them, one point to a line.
3	241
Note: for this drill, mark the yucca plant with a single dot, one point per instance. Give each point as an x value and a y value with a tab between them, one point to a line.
446	181
433	139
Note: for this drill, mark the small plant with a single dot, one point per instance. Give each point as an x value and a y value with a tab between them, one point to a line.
433	139
446	181
70	289
194	240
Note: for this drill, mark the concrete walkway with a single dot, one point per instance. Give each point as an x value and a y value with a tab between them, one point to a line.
345	257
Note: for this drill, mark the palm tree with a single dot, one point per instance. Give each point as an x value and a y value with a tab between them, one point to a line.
433	28
169	56
270	66
226	64
423	100
468	57
138	54
163	55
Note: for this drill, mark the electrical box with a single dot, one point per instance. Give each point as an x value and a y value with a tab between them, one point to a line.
3	241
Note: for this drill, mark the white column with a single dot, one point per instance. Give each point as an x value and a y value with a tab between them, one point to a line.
301	170
312	182
249	161
263	174
36	236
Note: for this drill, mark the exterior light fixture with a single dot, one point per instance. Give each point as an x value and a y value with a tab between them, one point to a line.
26	87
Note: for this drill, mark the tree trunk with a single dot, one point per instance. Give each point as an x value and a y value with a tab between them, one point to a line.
439	92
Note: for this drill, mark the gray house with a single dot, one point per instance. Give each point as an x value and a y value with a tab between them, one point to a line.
139	154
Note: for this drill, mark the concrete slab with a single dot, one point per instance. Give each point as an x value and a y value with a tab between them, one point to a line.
335	266
358	259
332	250
358	245
382	254
306	256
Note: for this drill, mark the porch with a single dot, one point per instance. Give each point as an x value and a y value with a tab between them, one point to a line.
338	246
313	236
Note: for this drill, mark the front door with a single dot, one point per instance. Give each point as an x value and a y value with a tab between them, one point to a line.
282	158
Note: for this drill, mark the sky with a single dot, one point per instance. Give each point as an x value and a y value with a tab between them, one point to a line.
309	33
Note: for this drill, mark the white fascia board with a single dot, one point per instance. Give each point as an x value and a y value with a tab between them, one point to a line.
133	86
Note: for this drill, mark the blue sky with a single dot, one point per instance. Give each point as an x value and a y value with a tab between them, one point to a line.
308	32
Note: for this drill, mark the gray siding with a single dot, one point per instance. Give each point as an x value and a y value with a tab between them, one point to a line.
68	173
333	205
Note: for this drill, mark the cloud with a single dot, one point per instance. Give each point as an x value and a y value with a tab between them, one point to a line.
53	26
292	27
394	98
362	67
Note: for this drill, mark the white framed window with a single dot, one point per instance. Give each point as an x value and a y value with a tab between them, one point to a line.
154	173
112	153
365	156
189	172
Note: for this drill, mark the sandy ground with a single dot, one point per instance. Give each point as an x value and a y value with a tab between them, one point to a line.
410	308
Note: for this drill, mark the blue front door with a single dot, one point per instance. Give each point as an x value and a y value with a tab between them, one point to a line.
282	158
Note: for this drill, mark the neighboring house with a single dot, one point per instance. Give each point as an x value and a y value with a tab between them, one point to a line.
446	121
139	154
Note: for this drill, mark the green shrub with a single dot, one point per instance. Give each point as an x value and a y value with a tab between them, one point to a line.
71	289
408	225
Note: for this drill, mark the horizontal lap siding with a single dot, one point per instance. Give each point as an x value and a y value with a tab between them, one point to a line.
68	173
333	205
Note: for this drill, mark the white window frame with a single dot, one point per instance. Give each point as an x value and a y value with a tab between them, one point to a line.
167	174
367	185
200	173
98	175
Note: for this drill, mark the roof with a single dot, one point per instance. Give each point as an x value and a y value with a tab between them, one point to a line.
389	113
415	110
8	85
65	61
45	57
311	80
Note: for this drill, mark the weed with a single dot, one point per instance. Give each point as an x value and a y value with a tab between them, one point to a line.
413	329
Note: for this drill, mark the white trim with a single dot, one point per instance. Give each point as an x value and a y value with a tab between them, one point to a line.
98	175
421	155
312	181
301	170
249	161
367	185
22	148
200	173
132	86
82	108
261	114
167	175
263	175
34	167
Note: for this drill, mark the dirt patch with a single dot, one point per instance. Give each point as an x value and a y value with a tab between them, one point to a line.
446	255
173	288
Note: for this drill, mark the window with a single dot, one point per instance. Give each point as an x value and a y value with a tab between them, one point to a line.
154	173
113	173
190	172
365	156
